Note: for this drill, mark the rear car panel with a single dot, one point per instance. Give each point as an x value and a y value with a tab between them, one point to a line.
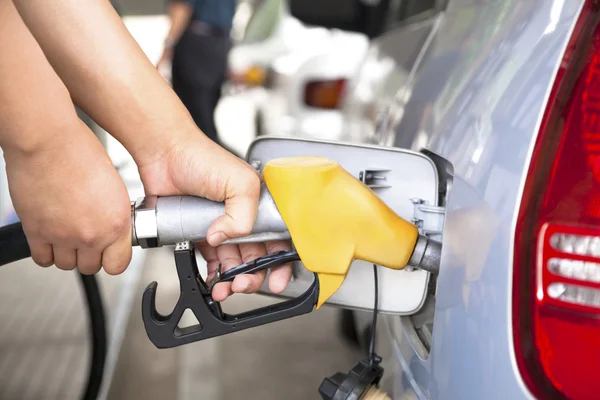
475	96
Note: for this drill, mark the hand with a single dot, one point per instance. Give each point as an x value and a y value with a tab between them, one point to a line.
167	56
164	62
73	205
196	166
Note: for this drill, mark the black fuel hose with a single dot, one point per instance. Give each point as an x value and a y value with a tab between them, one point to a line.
13	244
14	247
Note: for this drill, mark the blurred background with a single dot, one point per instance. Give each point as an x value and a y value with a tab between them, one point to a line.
289	68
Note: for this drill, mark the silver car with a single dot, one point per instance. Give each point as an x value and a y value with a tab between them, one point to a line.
490	114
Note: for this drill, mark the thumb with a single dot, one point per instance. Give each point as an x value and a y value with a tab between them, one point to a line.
238	220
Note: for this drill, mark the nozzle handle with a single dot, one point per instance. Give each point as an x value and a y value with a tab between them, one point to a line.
159	221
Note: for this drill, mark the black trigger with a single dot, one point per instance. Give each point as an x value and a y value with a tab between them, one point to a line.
163	330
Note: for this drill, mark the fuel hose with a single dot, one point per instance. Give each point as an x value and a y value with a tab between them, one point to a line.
14	247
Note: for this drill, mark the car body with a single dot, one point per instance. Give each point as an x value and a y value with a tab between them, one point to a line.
278	57
469	83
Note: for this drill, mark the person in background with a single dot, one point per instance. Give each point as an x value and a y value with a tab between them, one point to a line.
197	46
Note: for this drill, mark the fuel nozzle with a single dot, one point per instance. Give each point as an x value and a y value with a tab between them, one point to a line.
331	217
334	218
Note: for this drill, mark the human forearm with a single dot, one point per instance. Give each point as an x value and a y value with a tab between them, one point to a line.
56	168
23	70
180	13
107	73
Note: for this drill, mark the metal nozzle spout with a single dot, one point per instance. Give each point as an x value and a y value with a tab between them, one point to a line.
426	255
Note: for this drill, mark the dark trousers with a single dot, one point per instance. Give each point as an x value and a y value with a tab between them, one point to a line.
198	73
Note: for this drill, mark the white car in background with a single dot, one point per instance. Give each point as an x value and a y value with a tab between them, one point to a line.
293	74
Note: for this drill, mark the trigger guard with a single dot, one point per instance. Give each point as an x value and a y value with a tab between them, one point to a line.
163	330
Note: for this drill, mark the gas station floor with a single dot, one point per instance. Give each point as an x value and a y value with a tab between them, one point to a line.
44	343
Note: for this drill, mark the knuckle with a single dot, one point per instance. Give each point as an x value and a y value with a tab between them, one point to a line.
254	187
38	231
229	261
92	235
247	185
254	183
256	281
243	227
57	236
247	175
120	225
88	237
251	256
243	230
274	247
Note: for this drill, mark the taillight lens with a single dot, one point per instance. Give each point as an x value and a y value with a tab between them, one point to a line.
325	94
556	299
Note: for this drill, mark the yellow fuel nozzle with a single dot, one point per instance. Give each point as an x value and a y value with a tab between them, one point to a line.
333	219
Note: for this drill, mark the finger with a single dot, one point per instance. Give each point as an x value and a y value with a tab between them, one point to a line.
240	214
250	283
209	254
117	256
89	261
280	276
221	290
64	258
229	257
41	253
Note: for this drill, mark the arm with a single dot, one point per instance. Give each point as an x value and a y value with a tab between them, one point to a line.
24	71
180	14
113	81
110	78
108	75
73	206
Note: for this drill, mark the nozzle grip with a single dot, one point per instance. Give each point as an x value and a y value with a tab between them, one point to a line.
320	201
172	219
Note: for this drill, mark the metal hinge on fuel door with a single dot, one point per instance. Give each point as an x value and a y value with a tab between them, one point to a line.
429	219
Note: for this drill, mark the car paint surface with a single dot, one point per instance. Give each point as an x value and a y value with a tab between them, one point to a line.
493	67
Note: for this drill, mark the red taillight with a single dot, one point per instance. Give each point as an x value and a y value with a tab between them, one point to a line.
324	94
556	299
